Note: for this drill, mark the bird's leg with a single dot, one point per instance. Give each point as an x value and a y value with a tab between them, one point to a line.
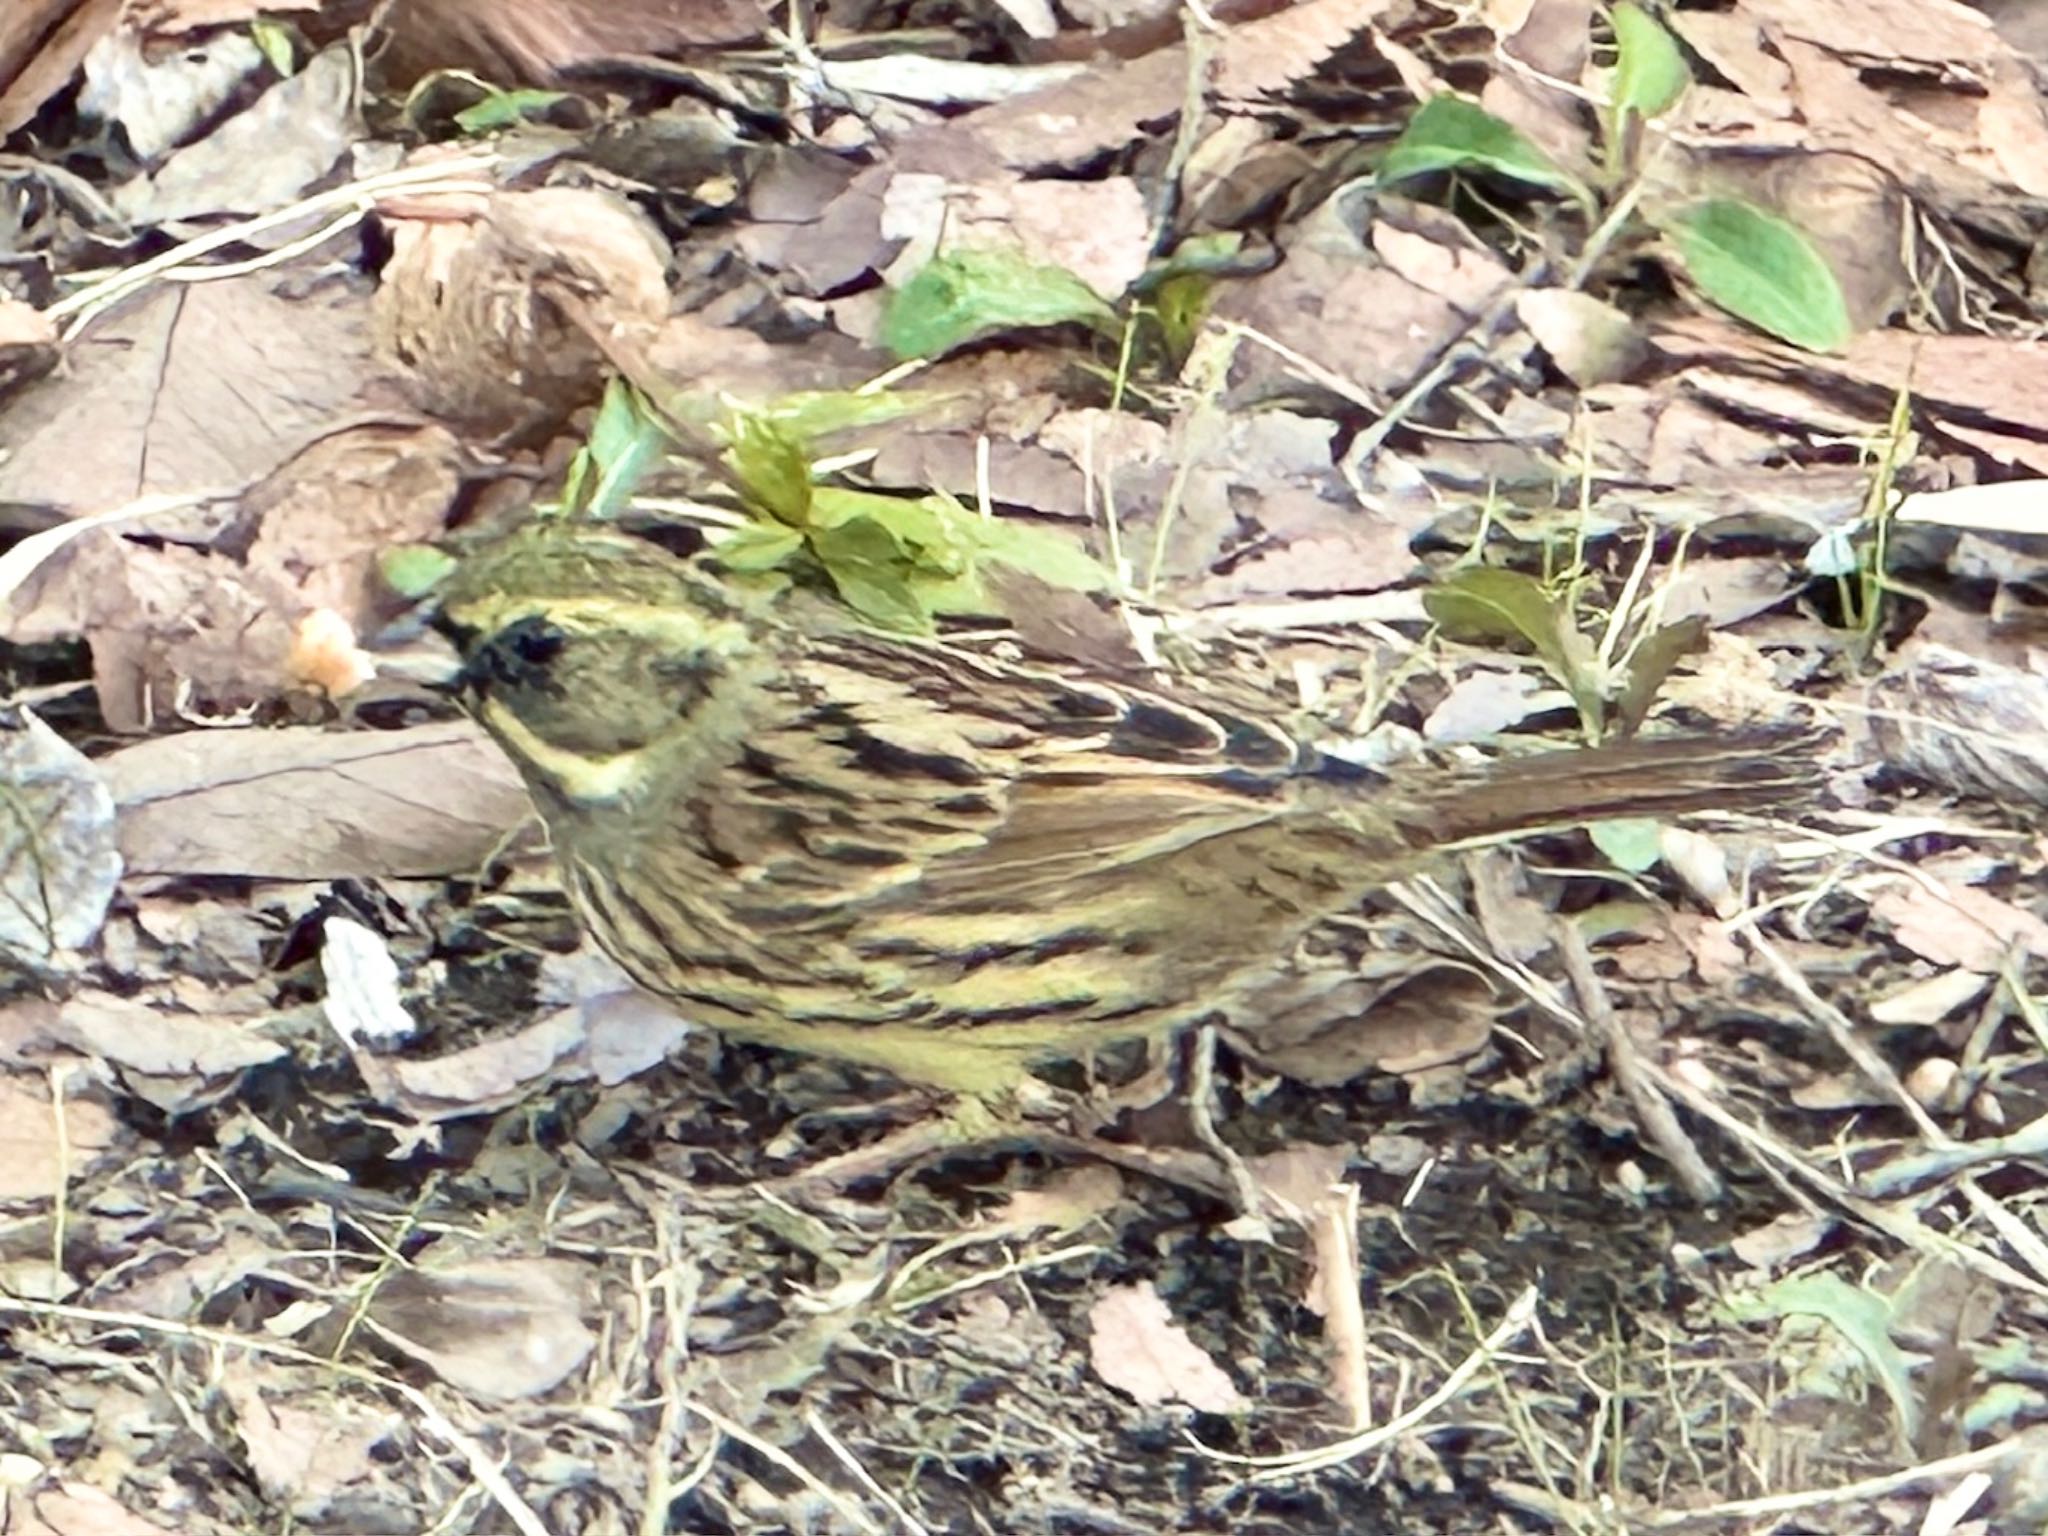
1033	1117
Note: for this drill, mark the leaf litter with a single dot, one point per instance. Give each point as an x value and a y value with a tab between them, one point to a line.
1698	350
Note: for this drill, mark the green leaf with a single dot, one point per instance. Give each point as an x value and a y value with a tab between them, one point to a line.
1051	557
1449	133
625	441
869	568
758	547
1483	602
414	570
772	467
946	539
1182	304
1650	73
1861	1317
274	42
1218	253
1652	662
1630	842
808	414
1762	269
962	296
503	109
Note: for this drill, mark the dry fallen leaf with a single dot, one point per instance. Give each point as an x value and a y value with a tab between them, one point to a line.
1929	1000
363	995
472	302
75	1508
305	1448
145	1040
34	1162
491	1075
498	1328
1959	925
58	862
1136	1346
314	805
1066	1202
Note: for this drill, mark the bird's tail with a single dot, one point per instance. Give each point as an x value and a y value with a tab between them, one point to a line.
1759	768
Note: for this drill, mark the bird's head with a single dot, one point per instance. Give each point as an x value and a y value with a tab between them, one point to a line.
583	648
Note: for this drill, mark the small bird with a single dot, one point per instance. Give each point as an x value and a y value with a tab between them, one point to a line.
905	853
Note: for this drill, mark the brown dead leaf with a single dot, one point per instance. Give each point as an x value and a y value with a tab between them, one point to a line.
173	630
1097	230
1266	56
179	1290
323	518
189	387
1135	1346
491	1075
1929	1000
536	44
306	1449
183	627
314	805
1324	1021
627	1031
74	1508
28	345
1300	1176
141	1038
1590	341
1065	1203
1781	1240
1517	926
1486	702
1959	924
1352	311
501	1329
42	43
35	1162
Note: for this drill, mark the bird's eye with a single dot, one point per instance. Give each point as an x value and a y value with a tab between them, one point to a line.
536	642
517	656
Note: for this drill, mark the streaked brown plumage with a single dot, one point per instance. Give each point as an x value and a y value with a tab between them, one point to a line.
896	852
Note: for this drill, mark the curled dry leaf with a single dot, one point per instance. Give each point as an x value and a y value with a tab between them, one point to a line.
490	303
492	1075
1931	999
1325	1020
306	1451
58	860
